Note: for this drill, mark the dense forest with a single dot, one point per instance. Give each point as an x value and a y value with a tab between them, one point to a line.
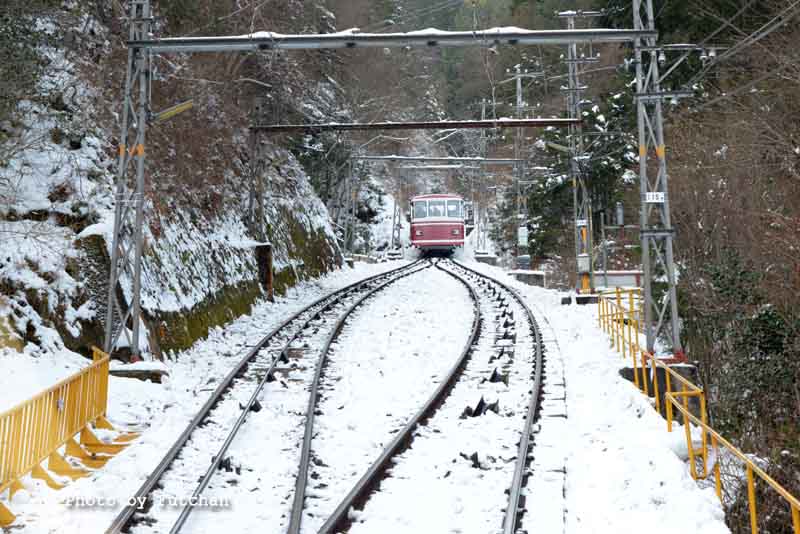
733	150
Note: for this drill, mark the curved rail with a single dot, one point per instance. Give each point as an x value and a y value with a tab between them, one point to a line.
339	519
125	518
512	515
296	517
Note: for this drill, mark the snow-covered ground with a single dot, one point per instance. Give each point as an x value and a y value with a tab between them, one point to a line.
603	461
162	411
624	472
386	364
454	476
23	376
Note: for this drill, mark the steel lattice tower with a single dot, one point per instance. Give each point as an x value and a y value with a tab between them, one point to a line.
657	233
127	240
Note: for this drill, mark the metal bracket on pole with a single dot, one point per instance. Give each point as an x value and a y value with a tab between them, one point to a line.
655	223
123	321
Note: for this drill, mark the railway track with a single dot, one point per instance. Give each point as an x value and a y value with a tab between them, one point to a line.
245	381
503	349
515	509
505	345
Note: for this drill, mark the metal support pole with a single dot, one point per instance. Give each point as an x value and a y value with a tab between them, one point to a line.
661	315
582	204
127	240
256	211
396	214
604	249
480	222
348	208
517	155
353	207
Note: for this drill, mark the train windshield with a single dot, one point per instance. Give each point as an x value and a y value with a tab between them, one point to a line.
454	208
420	209
436	208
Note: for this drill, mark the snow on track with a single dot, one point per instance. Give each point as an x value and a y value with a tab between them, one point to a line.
455	475
388	361
163	411
623	471
303	339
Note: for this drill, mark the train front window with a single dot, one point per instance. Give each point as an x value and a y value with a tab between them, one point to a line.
454	208
420	209
436	208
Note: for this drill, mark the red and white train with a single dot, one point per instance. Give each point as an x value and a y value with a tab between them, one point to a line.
437	222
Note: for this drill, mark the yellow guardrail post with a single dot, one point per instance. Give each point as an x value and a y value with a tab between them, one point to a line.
704	418
717	474
751	500
636	352
643	355
634	355
618	317
654	366
630	325
600	311
603	307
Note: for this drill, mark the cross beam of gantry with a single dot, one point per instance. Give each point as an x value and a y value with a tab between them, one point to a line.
352	39
443	159
422	125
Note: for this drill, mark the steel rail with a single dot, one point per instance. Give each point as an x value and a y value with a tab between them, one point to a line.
126	515
187	509
512	515
358	495
296	517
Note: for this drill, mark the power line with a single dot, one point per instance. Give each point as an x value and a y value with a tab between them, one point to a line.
741	89
708	38
776	22
420	12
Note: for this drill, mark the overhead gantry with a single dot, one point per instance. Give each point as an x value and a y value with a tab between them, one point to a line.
123	320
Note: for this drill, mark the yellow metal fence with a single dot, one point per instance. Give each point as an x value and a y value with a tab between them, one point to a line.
620	316
35	430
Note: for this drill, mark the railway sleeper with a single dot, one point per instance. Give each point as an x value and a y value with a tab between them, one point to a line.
481	408
497	377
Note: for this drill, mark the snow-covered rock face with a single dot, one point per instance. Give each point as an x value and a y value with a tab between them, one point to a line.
54	180
57	170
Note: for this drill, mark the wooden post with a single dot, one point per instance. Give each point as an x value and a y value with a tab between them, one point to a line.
265	269
269	278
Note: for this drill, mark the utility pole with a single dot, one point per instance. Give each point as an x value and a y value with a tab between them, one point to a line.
397	213
127	239
519	169
258	164
581	196
517	154
348	214
660	315
480	222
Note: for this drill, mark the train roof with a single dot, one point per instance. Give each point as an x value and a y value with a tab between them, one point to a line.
436	195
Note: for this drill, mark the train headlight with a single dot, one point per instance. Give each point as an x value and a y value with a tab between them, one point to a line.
418	233
454	231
